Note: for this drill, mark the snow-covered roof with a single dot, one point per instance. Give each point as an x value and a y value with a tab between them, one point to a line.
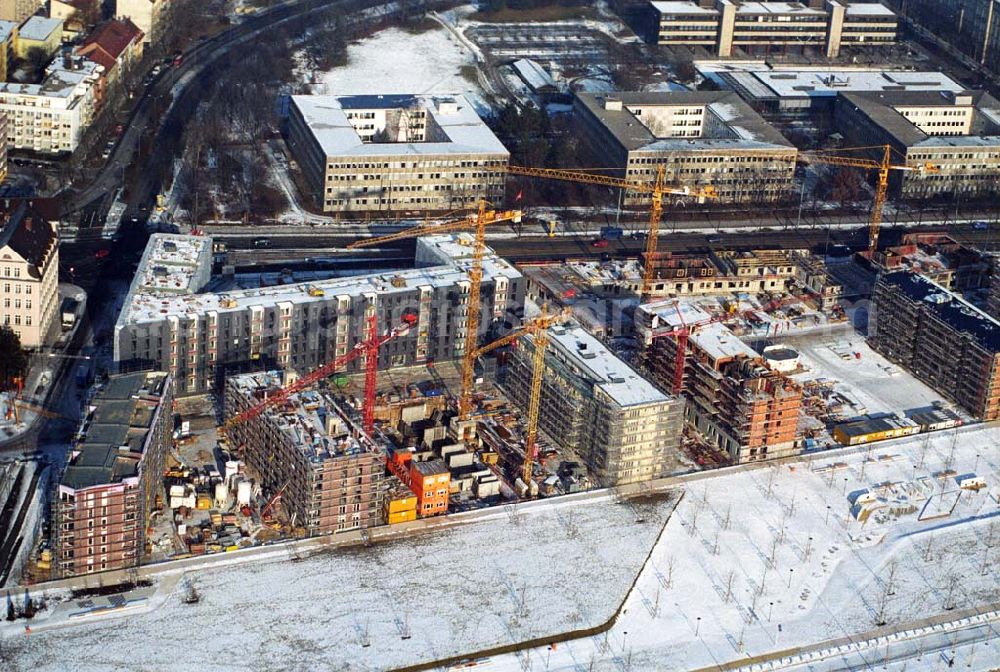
146	303
683	7
778	8
869	9
452	115
786	83
533	74
604	369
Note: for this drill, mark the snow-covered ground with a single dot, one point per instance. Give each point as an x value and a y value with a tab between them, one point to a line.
868	380
515	574
396	61
766	560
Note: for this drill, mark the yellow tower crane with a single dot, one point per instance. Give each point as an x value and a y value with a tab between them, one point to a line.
882	167
656	189
478	222
538	328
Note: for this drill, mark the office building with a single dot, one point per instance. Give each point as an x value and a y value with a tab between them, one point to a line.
733	27
29	276
940	338
700	138
168	322
390	153
957	134
970	27
312	451
103	498
623	427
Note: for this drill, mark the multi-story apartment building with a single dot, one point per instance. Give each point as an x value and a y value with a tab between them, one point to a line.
103	498
699	137
29	276
50	118
728	26
395	152
146	14
957	134
199	337
38	32
940	338
308	449
735	402
624	427
18	10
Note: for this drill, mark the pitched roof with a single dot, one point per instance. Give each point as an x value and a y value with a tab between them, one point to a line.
106	44
29	235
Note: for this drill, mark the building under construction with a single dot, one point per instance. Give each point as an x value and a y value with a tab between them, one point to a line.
103	498
168	323
940	338
594	403
307	452
735	401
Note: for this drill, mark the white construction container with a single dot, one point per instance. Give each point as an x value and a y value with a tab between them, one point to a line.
243	493
232	468
221	495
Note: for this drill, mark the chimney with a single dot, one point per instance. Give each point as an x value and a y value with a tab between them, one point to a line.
613	104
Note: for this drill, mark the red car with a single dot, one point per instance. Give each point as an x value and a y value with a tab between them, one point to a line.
101	254
599	243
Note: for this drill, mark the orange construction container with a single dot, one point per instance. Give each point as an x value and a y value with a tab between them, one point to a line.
430	482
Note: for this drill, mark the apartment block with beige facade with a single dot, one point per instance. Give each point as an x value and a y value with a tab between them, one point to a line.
700	138
18	10
391	153
730	27
146	14
956	133
29	277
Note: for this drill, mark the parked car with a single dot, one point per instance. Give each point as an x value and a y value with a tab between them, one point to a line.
601	242
981	226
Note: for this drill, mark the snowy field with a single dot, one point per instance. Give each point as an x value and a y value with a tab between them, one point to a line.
395	61
871	382
765	560
515	575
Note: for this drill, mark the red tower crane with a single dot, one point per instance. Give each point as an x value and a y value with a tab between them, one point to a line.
367	348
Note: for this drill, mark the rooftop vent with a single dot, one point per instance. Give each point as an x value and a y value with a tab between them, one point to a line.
613	104
447	107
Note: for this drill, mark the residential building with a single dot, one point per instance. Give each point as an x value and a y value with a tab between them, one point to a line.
116	46
18	10
29	276
50	118
731	27
700	138
957	134
735	401
623	427
8	36
391	153
311	450
939	257
940	338
993	298
198	336
77	16
146	14
38	32
103	498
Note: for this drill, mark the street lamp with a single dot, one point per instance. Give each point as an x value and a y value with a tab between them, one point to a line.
697	626
791	570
